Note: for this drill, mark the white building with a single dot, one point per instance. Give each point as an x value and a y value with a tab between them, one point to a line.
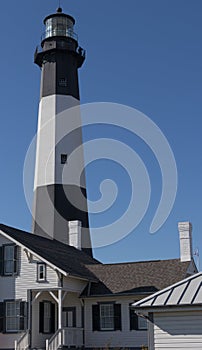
175	315
53	294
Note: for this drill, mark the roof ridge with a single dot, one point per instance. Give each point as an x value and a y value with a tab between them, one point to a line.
138	262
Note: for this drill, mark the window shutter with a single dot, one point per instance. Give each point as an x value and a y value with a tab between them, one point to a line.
15	259
41	317
1	317
74	317
96	317
52	325
1	261
117	317
133	320
23	315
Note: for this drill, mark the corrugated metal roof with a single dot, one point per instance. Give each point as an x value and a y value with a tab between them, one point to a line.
185	292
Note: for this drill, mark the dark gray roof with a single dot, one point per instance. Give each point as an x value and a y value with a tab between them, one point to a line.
144	277
183	293
136	278
66	258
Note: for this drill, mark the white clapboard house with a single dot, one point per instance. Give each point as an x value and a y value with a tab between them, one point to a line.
53	293
175	315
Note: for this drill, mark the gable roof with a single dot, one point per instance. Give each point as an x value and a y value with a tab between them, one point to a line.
67	259
131	278
185	292
136	277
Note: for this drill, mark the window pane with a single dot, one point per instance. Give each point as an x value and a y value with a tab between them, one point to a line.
107	316
12	316
41	272
8	266
142	323
47	317
9	252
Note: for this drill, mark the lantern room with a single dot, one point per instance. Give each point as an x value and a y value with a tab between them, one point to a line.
60	25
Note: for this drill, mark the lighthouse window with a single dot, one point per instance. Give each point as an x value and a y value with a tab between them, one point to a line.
63	158
63	82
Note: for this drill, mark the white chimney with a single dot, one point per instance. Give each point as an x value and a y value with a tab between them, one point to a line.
74	234
185	232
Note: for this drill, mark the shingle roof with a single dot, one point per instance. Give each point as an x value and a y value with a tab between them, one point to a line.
185	292
66	258
136	278
107	279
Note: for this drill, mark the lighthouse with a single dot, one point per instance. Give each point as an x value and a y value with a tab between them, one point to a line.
60	208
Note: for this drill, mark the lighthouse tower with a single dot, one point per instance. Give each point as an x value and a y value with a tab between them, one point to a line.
60	206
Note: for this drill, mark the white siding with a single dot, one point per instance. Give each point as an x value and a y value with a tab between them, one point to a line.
27	278
125	338
15	287
74	284
178	331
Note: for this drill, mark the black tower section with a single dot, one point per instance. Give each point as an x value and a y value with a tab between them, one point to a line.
61	56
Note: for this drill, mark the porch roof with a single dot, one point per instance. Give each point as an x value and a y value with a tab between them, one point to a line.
64	257
187	292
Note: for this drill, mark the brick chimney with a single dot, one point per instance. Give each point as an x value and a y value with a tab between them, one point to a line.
185	232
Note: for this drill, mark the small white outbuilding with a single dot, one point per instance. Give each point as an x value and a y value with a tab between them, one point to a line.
174	315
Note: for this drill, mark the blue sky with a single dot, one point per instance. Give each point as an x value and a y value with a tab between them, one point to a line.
141	53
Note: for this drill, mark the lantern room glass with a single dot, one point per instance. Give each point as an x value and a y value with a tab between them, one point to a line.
59	26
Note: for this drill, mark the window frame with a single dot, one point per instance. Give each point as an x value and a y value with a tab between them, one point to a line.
18	316
117	317
63	158
134	320
13	260
43	318
39	265
140	327
104	317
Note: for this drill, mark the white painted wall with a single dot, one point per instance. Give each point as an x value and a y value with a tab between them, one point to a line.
74	284
178	330
27	278
15	287
125	338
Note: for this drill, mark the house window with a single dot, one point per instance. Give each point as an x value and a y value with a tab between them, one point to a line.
46	317
137	322
106	317
41	272
142	323
13	316
63	158
8	260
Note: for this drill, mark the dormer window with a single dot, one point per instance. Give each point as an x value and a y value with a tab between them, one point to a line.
41	272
